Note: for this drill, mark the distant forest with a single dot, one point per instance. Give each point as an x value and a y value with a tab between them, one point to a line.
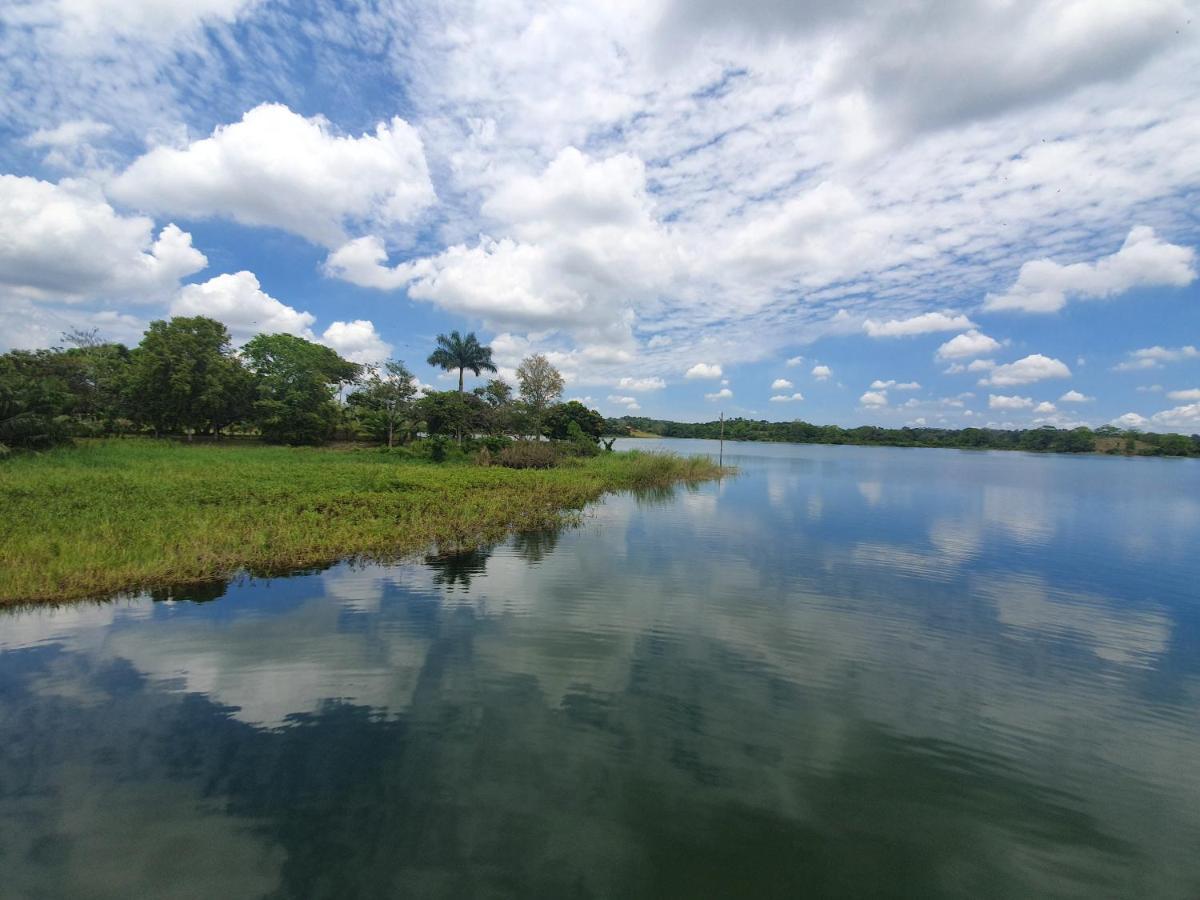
1047	439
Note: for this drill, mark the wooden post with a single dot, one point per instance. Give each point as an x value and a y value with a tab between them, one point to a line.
721	457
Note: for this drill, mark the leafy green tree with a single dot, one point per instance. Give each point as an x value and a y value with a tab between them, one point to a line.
456	352
502	415
184	375
561	416
450	413
101	382
297	381
32	409
541	385
384	403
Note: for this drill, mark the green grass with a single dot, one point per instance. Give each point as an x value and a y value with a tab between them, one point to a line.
120	515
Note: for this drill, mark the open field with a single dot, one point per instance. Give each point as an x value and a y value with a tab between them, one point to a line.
119	515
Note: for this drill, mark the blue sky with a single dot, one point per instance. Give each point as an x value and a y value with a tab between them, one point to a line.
970	213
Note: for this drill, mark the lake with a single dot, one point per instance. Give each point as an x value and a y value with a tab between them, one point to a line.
845	672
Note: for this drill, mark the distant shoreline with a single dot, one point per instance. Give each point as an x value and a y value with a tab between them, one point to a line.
1105	441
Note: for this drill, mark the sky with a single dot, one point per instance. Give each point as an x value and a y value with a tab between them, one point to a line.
943	212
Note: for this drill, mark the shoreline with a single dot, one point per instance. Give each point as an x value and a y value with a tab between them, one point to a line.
115	517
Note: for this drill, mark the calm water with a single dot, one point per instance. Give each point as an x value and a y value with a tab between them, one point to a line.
846	672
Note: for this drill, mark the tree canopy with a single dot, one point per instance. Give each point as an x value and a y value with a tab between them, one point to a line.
457	352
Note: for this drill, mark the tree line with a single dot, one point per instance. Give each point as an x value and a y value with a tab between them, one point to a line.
186	377
1047	439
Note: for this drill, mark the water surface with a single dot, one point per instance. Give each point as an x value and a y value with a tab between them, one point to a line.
856	672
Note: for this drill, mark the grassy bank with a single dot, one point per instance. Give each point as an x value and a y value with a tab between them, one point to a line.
117	515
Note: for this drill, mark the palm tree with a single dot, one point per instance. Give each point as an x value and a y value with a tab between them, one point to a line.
457	352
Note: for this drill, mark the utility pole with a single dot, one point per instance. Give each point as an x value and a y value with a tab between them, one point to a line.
721	457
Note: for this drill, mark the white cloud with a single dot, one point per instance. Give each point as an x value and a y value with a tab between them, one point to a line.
874	399
1045	286
822	373
89	20
794	361
579	247
641	384
722	394
1074	396
238	300
1149	389
277	168
1131	420
68	134
630	403
1188	394
1027	370
1000	401
926	323
969	344
1155	357
781	384
703	370
1180	418
1045	407
787	398
64	242
891	383
357	341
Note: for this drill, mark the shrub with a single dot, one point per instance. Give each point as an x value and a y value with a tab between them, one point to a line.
528	455
439	446
483	457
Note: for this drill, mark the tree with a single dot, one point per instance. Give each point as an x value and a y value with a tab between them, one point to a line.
502	415
456	352
184	375
561	416
541	385
31	407
451	413
297	380
384	402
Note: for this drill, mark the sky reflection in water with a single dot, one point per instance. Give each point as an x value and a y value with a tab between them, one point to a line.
847	671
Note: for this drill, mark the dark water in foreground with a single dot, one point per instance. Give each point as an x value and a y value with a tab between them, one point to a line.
847	672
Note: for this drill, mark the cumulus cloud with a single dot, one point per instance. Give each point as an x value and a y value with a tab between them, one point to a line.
239	301
1131	420
787	398
1044	286
641	385
968	344
630	403
1001	401
1074	396
577	246
703	370
1027	370
1155	357
277	168
357	341
874	399
1181	418
65	242
822	373
794	361
722	394
781	384
1188	394
926	323
893	384
1045	407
